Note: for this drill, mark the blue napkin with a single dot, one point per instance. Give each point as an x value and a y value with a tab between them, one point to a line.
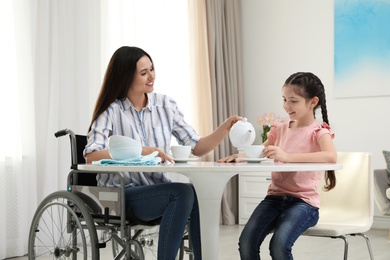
149	159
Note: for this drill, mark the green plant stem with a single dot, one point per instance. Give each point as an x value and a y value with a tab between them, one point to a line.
266	129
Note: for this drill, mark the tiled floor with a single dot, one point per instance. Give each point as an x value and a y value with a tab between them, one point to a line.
305	247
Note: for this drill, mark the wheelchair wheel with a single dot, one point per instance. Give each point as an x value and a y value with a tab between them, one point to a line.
63	228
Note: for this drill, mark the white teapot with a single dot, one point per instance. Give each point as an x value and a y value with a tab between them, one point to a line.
242	134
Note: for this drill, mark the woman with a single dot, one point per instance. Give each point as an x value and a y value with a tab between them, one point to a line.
127	106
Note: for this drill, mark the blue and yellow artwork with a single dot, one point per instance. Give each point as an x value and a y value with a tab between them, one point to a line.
361	48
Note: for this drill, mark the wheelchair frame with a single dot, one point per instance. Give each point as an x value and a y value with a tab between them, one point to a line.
80	216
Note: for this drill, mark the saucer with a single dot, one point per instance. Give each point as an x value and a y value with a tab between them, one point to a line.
182	160
252	160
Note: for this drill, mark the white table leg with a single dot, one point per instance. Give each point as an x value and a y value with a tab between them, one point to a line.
209	187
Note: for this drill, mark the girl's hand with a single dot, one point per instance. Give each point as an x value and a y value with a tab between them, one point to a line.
274	152
230	158
164	156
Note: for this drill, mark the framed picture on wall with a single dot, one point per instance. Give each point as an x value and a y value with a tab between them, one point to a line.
361	48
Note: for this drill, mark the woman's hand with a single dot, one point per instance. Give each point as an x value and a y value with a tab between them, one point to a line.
164	156
274	152
209	142
230	158
229	122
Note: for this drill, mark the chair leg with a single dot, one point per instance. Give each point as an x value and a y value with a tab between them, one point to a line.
345	246
368	244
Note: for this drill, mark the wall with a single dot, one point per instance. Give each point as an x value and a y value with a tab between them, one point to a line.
282	37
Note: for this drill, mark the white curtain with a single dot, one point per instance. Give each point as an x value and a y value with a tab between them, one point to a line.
17	153
67	71
53	56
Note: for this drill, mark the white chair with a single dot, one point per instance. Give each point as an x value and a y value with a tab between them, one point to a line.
348	209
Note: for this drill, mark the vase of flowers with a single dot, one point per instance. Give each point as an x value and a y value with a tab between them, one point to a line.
266	121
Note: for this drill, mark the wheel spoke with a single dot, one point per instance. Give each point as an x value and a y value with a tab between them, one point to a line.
63	228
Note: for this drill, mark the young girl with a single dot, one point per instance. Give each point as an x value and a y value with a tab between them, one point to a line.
291	205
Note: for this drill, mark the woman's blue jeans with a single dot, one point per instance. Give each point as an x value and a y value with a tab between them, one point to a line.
175	204
286	216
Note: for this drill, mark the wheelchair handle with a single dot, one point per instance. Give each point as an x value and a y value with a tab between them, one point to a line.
73	144
63	132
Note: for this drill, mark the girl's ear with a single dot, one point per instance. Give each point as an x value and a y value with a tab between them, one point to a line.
314	101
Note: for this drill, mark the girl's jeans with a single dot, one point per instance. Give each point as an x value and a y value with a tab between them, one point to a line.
286	216
175	204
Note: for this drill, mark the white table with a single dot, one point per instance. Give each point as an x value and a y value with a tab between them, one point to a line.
209	180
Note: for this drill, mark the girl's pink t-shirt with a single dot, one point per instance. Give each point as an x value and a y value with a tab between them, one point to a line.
302	185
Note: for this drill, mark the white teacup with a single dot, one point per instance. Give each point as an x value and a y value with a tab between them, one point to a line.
181	151
254	151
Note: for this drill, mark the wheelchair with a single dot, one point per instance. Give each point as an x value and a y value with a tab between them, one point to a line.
76	223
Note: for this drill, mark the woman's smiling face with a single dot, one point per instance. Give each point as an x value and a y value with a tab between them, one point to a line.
144	77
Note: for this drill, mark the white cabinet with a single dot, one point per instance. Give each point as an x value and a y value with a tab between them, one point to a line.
251	190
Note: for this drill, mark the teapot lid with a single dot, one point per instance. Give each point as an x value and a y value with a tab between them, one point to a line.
242	133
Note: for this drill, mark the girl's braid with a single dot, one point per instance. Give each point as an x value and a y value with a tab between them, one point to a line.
320	93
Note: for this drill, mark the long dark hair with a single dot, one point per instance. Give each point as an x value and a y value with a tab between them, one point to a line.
308	85
118	78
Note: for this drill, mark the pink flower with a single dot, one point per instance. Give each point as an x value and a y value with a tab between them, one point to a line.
269	119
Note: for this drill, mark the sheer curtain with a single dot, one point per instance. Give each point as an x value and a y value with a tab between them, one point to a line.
53	56
67	76
46	69
17	155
